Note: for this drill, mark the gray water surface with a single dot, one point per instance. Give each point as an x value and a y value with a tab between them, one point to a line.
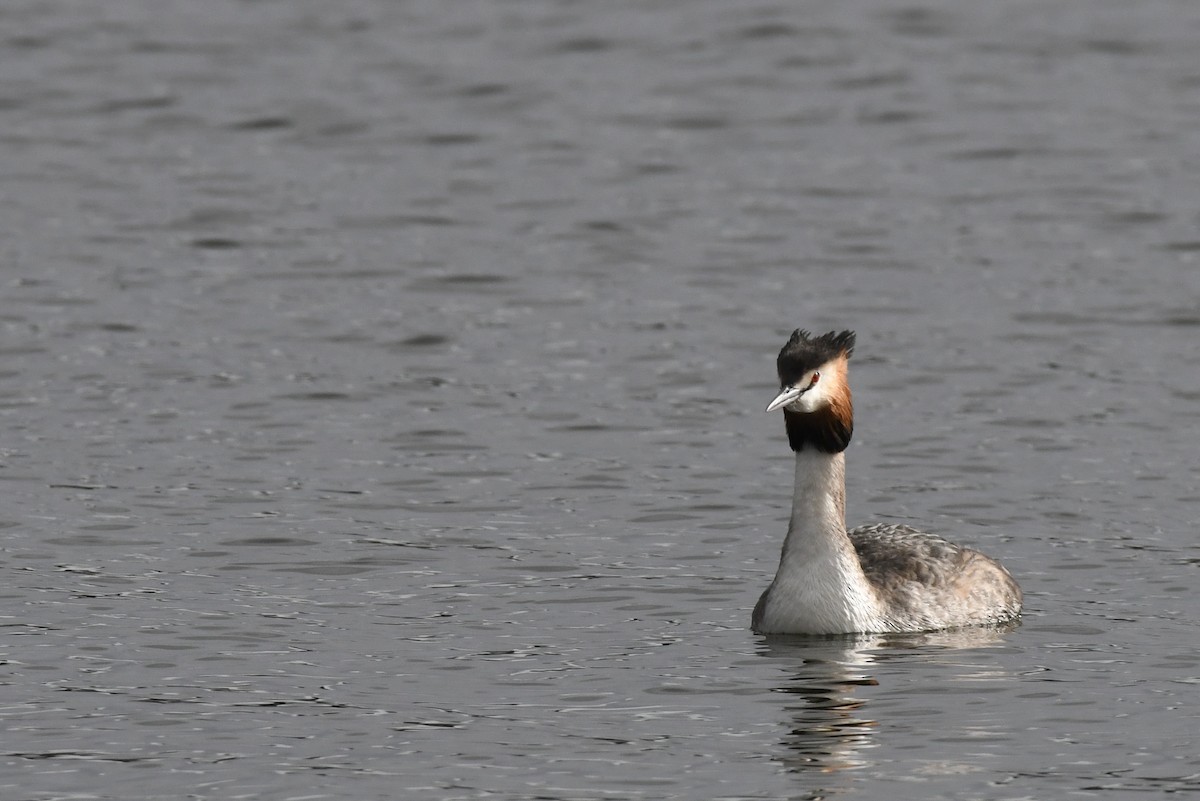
381	393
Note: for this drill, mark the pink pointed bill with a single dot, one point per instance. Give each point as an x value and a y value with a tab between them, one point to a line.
785	397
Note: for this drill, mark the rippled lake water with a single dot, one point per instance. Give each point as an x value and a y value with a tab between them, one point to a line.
381	393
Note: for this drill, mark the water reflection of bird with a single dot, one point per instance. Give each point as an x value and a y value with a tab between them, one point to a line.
875	578
830	687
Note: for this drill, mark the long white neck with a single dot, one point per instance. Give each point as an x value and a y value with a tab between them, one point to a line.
820	586
818	502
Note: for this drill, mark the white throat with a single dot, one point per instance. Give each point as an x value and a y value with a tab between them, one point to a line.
818	500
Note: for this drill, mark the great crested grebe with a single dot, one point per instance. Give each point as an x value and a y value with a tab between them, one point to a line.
875	578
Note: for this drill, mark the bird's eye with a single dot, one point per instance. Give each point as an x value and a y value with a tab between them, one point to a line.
815	378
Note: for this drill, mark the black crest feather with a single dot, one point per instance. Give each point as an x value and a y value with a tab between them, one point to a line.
804	352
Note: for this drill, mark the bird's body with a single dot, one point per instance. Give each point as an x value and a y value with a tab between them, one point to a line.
876	578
